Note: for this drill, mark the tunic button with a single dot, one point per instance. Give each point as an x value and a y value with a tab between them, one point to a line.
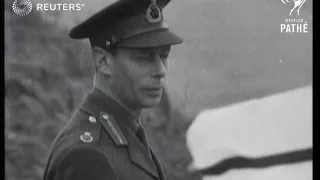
105	116
92	119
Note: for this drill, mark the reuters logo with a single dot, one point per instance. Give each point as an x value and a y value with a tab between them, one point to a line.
22	7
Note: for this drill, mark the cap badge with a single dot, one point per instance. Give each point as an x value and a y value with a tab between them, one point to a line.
86	137
153	13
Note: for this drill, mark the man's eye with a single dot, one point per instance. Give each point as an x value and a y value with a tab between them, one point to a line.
164	56
142	59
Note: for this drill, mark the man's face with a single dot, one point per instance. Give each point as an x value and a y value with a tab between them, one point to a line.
138	75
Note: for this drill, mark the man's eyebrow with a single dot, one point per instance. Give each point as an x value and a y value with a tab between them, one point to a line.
165	48
152	50
144	50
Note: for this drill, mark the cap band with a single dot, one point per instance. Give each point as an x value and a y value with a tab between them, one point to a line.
133	26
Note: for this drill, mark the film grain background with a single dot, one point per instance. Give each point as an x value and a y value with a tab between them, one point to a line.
233	51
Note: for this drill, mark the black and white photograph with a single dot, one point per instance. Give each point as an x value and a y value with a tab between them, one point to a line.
158	89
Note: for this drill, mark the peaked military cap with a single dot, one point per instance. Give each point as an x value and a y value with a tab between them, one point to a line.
129	23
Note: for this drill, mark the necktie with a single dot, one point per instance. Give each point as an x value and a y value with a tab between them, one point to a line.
142	136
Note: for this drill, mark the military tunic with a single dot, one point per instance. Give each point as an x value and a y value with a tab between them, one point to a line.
100	143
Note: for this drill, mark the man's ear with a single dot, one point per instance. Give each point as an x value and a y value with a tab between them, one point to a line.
102	60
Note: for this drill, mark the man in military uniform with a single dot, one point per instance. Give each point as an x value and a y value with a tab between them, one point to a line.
104	139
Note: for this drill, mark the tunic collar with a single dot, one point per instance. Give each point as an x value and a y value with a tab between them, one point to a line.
97	101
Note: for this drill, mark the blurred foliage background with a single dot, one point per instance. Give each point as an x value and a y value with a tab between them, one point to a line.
233	51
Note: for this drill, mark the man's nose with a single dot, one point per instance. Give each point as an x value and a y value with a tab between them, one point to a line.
160	68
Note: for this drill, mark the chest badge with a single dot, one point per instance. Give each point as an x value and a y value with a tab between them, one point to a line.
86	137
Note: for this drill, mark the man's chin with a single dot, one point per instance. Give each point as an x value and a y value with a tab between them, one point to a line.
151	102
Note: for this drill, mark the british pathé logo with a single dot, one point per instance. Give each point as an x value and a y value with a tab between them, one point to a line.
297	4
22	7
294	25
